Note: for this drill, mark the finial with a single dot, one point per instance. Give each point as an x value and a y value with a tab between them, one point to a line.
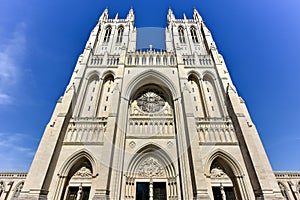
104	15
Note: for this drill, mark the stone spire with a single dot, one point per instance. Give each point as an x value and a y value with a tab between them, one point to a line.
104	15
197	16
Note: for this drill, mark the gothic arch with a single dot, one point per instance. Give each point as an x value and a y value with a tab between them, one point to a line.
90	89
197	93
108	73
231	168
213	97
91	74
150	77
151	150
74	159
150	164
226	157
195	73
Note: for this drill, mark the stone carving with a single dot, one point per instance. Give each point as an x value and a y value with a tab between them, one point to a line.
150	101
132	144
150	167
218	173
83	173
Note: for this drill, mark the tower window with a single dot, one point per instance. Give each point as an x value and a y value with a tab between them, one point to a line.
120	34
194	35
107	34
181	34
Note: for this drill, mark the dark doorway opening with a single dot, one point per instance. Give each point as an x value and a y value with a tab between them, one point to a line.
228	192
159	191
142	191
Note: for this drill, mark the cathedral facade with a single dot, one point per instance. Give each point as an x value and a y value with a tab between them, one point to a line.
150	124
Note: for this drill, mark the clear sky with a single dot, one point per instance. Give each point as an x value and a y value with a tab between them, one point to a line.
40	41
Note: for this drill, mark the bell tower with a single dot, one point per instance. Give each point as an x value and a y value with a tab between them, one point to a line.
150	124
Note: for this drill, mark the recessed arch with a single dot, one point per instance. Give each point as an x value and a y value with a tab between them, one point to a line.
74	159
107	74
195	73
155	151
221	154
230	167
150	77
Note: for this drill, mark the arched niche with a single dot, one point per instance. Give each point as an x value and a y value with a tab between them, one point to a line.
212	96
197	95
90	96
108	84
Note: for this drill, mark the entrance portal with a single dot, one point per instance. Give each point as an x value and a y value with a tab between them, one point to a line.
152	191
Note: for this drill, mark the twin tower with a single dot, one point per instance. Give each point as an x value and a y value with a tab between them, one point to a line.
150	124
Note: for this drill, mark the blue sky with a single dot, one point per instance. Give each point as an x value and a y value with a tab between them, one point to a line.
41	40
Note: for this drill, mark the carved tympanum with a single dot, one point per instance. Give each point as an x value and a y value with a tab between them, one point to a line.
217	172
150	167
83	173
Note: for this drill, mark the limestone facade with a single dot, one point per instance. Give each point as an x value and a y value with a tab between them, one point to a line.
150	124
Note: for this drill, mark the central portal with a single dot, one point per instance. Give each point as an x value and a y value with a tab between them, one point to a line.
151	191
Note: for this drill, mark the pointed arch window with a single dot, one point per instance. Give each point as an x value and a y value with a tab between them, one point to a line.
194	35
181	34
120	34
107	34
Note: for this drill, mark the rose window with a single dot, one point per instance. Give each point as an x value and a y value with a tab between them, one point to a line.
150	101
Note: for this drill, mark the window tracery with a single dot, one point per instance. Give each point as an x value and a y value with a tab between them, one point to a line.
181	34
150	101
107	34
120	34
194	35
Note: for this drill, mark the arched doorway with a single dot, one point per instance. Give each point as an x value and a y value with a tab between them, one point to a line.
151	175
226	178
78	182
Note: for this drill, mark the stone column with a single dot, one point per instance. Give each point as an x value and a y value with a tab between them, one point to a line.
151	190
